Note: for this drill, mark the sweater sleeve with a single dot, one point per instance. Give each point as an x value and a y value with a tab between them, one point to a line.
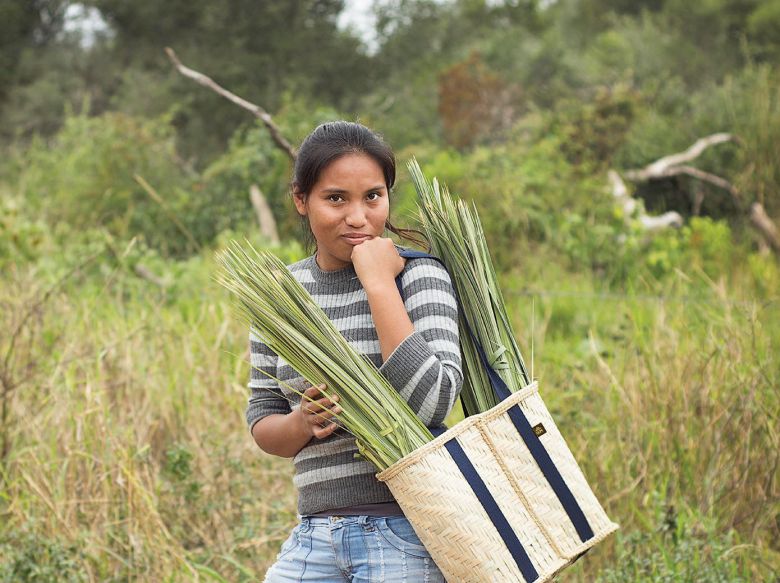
426	367
266	396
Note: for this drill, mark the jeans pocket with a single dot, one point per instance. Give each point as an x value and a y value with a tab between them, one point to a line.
292	543
398	533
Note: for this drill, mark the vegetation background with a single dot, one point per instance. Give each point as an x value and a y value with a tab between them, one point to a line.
124	454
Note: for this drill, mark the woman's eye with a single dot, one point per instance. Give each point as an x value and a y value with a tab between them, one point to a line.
377	196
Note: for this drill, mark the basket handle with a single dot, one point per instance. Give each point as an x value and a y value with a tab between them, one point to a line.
499	386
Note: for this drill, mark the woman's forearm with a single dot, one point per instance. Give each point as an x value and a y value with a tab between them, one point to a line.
281	434
390	317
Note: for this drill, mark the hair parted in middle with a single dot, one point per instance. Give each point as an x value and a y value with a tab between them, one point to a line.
328	142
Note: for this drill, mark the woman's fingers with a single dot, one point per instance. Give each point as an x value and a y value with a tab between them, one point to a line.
318	409
321	417
321	432
326	413
319	404
314	390
313	402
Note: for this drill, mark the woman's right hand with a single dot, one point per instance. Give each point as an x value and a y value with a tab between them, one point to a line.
317	422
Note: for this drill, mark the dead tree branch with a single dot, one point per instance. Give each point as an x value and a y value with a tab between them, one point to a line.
704	177
145	273
167	210
264	215
630	205
765	226
658	168
255	110
674	165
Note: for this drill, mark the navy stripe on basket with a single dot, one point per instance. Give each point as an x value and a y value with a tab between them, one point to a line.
540	455
485	498
551	472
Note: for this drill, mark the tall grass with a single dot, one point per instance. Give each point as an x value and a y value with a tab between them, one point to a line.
130	458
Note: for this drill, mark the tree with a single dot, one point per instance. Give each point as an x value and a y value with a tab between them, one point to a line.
25	23
258	49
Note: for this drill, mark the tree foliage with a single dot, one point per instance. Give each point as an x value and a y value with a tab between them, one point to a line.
613	84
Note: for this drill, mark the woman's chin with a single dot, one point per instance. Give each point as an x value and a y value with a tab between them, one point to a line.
342	256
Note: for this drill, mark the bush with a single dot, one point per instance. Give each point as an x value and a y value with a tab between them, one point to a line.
92	174
680	549
28	557
21	237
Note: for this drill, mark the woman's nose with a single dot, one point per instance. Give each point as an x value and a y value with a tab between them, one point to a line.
356	216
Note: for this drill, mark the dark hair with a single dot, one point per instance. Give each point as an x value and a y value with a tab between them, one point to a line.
330	141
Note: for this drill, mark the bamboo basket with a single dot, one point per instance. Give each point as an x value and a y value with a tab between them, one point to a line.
485	501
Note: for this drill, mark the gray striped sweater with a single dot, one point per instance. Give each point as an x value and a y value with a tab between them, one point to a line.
425	368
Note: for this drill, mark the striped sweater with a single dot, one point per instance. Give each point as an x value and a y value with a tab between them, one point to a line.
425	368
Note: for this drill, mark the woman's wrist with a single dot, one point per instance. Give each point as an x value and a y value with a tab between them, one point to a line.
282	434
298	426
379	286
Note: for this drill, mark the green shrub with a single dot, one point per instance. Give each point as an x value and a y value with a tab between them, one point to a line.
681	548
765	274
90	175
21	237
29	557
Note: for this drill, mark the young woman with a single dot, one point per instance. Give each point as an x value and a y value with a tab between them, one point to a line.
351	528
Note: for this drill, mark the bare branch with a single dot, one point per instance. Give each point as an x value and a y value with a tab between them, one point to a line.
673	165
656	223
631	206
764	224
659	167
145	273
620	192
255	110
705	177
264	215
167	210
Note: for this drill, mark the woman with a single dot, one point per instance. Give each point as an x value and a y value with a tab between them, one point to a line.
351	528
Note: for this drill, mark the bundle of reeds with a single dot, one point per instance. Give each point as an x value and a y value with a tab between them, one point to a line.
291	323
456	236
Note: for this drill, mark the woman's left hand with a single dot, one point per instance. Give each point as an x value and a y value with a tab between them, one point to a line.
377	261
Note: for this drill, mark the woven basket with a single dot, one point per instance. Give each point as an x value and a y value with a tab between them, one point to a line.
517	528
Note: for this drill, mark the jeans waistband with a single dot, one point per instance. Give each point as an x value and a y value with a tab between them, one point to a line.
307	521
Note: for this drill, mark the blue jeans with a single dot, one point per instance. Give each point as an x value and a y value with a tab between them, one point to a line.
355	549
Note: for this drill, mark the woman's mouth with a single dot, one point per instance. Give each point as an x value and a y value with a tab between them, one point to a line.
355	240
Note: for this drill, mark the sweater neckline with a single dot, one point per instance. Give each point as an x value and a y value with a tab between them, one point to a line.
342	275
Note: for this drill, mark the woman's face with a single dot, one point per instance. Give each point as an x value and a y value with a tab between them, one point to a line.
350	197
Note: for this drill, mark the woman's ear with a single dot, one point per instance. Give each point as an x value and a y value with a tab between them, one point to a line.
300	204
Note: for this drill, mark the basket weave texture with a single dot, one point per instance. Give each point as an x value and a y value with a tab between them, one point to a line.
450	519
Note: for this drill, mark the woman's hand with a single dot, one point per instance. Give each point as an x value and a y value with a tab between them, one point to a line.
316	420
377	262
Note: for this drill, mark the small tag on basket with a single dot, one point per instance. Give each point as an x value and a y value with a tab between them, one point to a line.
539	430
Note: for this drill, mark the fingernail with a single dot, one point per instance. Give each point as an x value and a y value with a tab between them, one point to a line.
334	398
336	410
